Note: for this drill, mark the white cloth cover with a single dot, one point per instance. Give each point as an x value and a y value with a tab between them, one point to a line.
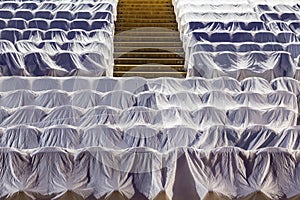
57	38
227	172
215	33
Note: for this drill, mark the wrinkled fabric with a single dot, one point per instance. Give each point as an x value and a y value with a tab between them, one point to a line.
227	172
216	33
57	38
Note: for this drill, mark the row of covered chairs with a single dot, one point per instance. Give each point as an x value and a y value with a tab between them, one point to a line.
137	85
273	26
160	139
149	174
292	48
268	65
57	36
60	24
52	48
150	99
55	5
216	17
47	15
243	36
281	8
188	7
229	26
63	63
277	118
276	16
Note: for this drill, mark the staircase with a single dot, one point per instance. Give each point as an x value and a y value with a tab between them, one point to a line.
147	41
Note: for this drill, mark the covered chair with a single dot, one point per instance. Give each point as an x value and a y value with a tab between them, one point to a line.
180	136
137	116
43	14
14	83
15	173
26	46
17	98
51	174
287	118
52	98
86	98
257	137
41	64
100	115
286	84
225	84
253	100
12	64
21	137
60	24
28	115
39	24
17	24
63	115
288	138
100	165
64	14
46	83
217	136
60	136
144	136
154	100
104	136
255	84
242	37
219	100
247	47
243	117
68	61
118	99
186	100
7	46
293	49
76	83
226	47
209	116
12	35
93	64
24	14
206	170
6	14
134	85
34	35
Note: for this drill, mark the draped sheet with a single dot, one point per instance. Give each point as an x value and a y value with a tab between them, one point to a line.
160	139
239	27
57	38
227	172
268	65
156	100
277	118
135	85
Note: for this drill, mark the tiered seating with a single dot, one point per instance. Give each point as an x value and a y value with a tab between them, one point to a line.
157	102
239	27
57	38
78	133
233	137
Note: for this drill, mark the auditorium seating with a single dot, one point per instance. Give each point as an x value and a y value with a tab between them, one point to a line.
160	102
228	131
238	26
30	25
